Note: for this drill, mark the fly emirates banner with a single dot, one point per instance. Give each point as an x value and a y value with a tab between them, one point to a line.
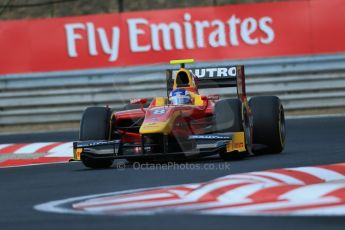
229	32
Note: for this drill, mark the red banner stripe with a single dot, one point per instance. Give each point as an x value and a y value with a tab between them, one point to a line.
228	32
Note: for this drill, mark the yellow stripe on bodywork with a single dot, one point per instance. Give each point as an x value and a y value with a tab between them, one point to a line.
197	100
160	101
164	127
238	143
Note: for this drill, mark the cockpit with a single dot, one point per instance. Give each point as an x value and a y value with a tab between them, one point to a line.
182	79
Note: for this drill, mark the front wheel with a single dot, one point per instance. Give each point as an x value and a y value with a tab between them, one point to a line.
268	124
95	125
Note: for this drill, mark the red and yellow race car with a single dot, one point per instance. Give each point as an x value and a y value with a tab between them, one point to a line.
184	124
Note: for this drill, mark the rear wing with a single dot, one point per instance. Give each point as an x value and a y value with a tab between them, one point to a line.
214	77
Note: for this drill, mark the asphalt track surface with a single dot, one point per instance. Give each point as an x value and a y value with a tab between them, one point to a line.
309	142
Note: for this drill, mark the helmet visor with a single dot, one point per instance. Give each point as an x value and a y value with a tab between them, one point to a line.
180	100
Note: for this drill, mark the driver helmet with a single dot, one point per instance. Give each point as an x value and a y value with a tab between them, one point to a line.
180	97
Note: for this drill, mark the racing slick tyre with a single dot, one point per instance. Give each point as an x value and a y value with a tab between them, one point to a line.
95	125
268	124
228	118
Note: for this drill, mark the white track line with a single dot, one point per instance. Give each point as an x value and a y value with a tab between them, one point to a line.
114	201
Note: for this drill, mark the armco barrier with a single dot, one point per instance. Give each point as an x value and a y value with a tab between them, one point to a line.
314	82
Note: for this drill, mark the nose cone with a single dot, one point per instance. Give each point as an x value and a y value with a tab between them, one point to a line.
159	120
155	127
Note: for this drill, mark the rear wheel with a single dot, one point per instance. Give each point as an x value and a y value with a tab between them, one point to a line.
268	124
228	118
95	125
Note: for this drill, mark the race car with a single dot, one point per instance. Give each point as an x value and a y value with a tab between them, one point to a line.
184	124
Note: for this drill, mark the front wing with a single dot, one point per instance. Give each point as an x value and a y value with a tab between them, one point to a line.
204	145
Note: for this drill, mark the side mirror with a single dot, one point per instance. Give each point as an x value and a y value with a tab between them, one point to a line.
137	101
